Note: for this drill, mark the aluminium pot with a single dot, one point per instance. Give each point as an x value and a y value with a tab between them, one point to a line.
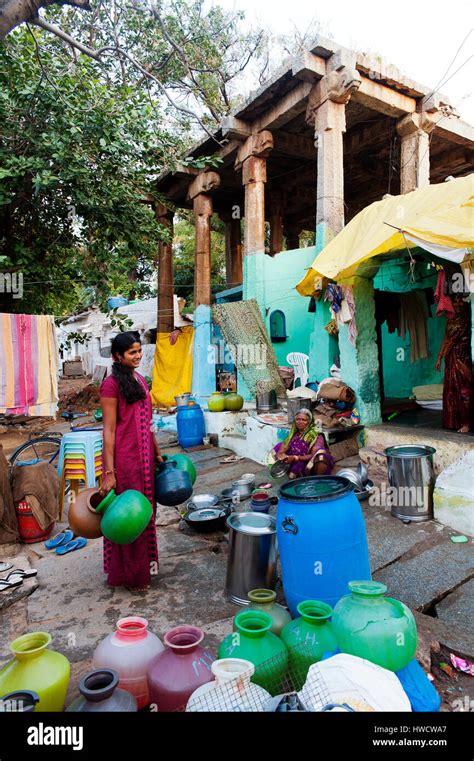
182	399
411	478
252	558
244	485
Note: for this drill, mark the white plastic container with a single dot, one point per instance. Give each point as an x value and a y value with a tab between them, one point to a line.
232	690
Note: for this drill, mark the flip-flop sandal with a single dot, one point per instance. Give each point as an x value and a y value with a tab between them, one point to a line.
232	458
4	585
19	573
76	544
63	538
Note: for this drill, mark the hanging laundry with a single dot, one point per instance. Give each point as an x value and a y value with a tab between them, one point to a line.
444	302
413	314
351	310
387	309
28	365
335	296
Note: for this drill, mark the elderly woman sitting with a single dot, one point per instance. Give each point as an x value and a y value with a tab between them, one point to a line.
305	448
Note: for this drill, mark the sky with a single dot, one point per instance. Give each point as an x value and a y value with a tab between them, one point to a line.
420	37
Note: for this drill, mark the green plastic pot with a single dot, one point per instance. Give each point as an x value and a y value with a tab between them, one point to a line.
215	403
233	402
253	641
378	628
39	669
182	463
265	601
124	517
308	638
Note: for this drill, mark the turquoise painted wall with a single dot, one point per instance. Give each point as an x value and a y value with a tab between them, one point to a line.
400	375
272	281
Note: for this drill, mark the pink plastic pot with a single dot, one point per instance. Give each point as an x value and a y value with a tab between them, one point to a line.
180	669
129	651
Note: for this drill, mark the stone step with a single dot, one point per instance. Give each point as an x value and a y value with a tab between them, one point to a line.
458	606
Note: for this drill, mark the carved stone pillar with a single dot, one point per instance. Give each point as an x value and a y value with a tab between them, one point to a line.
165	317
233	250
414	130
327	113
251	158
199	192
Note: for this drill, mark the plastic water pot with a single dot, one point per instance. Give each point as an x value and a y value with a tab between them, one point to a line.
172	486
38	669
124	517
180	669
190	425
253	641
321	538
231	690
129	651
378	628
265	601
182	463
308	638
100	693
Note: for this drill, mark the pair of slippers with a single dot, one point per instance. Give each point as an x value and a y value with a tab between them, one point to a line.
16	577
64	542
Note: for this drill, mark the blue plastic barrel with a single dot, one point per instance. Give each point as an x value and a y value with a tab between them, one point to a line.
190	424
321	538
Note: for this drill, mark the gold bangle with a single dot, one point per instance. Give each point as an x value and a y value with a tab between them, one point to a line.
110	471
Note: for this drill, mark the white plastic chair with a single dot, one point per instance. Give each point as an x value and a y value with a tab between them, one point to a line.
299	362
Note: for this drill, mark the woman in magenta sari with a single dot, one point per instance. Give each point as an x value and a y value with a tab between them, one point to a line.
130	451
458	393
305	449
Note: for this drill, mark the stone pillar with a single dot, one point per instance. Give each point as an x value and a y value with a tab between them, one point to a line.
359	362
165	317
233	250
251	159
414	130
204	379
326	112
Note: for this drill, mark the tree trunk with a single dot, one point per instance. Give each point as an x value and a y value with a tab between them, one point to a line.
16	12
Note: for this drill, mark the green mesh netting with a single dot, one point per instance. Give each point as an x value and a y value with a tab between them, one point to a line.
249	345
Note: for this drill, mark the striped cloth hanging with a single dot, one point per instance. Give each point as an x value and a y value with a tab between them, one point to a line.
28	365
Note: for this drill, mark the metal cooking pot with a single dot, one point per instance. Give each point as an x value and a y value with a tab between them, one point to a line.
244	485
182	399
251	563
202	500
266	401
208	519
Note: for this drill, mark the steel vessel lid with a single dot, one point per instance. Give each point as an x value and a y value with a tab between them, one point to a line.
255	524
409	450
316	489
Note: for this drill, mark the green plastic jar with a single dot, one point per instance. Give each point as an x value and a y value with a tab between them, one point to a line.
124	517
378	628
308	638
233	402
39	669
253	641
215	403
265	601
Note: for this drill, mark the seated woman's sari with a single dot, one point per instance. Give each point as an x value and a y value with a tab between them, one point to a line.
303	443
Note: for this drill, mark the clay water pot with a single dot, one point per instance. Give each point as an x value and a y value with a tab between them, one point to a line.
82	516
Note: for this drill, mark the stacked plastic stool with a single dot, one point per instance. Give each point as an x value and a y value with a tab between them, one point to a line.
80	459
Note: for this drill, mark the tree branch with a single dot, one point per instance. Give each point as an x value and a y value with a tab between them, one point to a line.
56	30
16	12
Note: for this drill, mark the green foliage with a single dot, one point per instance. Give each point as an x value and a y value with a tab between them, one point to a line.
82	142
73	338
120	321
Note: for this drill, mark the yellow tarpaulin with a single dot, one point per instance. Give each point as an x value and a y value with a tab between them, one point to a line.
173	367
438	218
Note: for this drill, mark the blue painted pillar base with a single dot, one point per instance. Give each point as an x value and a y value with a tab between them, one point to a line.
204	368
360	363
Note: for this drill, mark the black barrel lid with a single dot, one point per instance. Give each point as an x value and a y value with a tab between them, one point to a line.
316	489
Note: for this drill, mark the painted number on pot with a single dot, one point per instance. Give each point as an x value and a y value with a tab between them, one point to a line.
203	662
318	568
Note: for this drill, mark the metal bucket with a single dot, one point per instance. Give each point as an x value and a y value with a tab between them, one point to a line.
182	399
252	556
295	405
411	476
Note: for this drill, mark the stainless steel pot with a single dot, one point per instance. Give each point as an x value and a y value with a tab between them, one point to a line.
411	477
266	401
244	485
252	558
182	399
